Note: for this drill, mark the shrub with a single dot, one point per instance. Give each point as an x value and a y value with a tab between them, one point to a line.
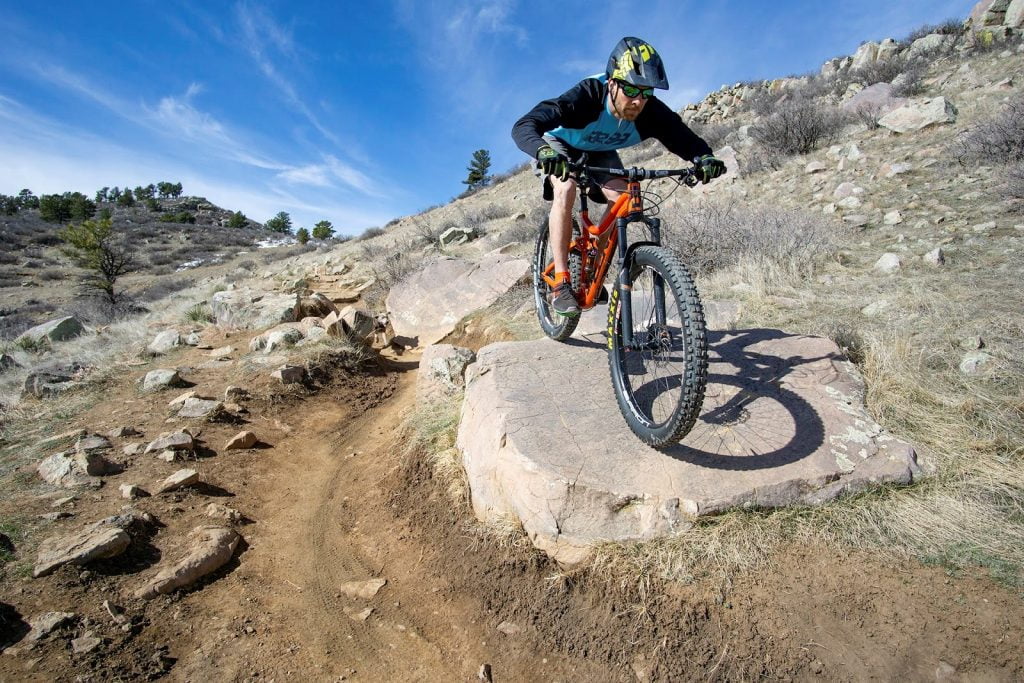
180	217
711	235
868	114
302	235
798	126
1015	182
51	274
370	233
911	81
999	139
162	288
200	313
950	27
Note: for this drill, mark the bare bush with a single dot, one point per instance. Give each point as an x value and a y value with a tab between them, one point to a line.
868	114
162	288
370	233
882	71
389	269
712	235
1015	183
999	139
514	171
950	27
799	126
713	133
911	81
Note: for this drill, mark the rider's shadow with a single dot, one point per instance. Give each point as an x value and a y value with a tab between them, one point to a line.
749	420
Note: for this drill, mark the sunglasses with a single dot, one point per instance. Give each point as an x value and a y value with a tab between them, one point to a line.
633	91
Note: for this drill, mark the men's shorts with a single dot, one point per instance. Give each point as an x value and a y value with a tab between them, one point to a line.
609	159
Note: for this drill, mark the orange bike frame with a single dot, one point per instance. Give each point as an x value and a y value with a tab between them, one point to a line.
629	202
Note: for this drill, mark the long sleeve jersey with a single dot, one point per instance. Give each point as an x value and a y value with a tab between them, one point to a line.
580	117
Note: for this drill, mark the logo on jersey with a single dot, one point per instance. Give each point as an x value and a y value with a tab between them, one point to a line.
599	138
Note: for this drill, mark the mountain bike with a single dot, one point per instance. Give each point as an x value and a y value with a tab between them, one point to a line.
657	344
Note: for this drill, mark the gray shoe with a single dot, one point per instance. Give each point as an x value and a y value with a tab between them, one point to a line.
563	302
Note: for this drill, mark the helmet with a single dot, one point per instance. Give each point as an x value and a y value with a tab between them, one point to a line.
635	62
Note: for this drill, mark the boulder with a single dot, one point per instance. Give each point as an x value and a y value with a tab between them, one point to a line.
892	218
865	55
181	440
246	308
935	257
887	50
442	371
815	167
428	304
289	374
847	189
212	548
888	263
61	329
201	407
919	114
46	623
988	13
98	542
974	362
877	98
51	379
178	480
316	305
235	394
277	338
930	44
1015	14
222	352
62	469
164	342
356	323
790	429
241	441
7	362
456	235
162	378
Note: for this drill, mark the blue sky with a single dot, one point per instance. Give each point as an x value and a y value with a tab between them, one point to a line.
357	112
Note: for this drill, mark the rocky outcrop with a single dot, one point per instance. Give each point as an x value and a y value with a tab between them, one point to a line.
246	308
783	423
427	305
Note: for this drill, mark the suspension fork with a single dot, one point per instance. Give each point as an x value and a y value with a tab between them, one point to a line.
625	287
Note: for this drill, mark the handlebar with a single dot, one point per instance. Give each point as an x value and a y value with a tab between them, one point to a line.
636	174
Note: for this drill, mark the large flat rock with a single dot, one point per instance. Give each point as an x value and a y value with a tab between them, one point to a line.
427	305
783	423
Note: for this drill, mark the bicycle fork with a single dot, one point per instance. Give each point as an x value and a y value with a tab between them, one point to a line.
625	286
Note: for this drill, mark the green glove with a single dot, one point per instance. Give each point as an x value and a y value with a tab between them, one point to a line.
708	168
553	163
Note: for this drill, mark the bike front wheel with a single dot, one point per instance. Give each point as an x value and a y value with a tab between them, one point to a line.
555	326
659	377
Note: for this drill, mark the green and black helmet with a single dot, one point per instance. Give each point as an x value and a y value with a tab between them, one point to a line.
634	61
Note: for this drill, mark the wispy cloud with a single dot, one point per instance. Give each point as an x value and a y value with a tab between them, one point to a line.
260	31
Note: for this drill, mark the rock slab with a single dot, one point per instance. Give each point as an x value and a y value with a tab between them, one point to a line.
212	547
783	423
95	543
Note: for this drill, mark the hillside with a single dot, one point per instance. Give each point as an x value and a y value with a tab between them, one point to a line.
876	205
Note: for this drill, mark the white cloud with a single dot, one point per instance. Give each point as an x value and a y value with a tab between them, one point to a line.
315	175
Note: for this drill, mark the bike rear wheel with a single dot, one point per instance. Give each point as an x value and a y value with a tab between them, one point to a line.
555	326
659	379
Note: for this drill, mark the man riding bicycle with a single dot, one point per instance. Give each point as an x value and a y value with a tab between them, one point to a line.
601	114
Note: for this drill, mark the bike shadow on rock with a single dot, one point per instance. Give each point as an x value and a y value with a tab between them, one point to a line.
749	421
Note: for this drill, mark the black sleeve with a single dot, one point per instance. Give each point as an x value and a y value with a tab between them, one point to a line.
660	122
574	108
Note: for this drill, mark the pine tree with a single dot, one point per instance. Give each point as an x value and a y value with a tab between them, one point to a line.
478	168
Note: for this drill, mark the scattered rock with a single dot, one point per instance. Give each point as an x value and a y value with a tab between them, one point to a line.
888	263
509	628
235	394
847	189
356	323
7	362
96	542
891	170
48	622
200	407
974	362
218	511
815	167
849	203
893	218
442	371
249	309
193	339
64	500
362	615
57	516
64	438
57	330
456	235
363	589
85	644
164	342
984	227
181	440
163	378
131	491
289	374
241	441
52	379
60	469
856	220
935	257
316	305
971	343
919	114
876	308
181	398
212	548
222	352
122	432
179	479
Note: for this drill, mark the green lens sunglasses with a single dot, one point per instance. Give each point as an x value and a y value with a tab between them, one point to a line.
632	91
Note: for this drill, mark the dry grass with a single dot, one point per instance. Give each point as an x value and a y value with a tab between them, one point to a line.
432	428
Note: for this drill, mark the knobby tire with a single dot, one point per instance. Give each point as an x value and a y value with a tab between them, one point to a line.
659	383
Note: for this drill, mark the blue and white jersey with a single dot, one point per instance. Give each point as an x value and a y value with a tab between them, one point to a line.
605	134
